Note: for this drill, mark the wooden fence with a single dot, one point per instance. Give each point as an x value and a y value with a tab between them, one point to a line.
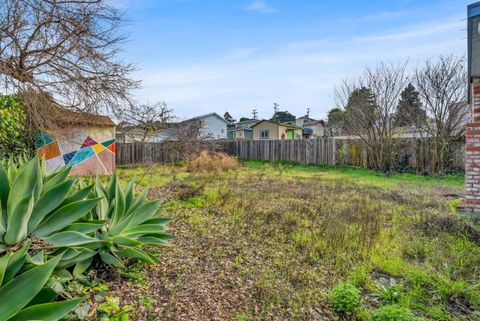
310	151
305	151
330	151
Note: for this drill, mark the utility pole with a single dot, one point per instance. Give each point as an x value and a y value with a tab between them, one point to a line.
254	112
275	110
308	112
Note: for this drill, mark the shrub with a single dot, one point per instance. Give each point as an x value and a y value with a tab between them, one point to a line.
45	209
14	139
212	162
131	223
23	296
55	215
345	298
59	216
394	313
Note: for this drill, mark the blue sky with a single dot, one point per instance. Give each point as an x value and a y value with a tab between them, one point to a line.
201	56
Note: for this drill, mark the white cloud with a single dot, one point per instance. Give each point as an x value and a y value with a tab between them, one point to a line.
384	15
261	6
297	75
418	31
241	53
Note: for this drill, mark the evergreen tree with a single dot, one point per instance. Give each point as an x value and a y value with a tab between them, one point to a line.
409	110
335	121
361	111
283	117
229	118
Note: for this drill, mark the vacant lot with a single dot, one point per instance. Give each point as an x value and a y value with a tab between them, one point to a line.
268	242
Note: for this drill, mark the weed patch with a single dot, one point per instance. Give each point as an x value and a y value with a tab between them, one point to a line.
211	162
269	241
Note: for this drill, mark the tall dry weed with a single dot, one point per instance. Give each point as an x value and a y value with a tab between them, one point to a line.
207	161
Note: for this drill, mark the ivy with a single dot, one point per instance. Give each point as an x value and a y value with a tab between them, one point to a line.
14	138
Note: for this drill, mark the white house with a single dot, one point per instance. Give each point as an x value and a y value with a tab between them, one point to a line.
210	126
213	126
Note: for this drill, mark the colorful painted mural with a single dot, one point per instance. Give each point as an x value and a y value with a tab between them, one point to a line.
90	157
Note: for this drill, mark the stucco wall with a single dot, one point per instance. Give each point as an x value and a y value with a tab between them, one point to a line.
213	127
89	150
283	132
271	127
318	130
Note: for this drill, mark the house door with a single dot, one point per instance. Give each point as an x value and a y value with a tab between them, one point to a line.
290	134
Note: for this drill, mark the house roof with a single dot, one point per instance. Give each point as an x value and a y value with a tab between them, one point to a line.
314	122
67	116
278	124
239	129
205	116
247	121
310	121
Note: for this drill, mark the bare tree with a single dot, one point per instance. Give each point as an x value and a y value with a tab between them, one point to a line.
370	103
63	51
148	118
443	90
186	140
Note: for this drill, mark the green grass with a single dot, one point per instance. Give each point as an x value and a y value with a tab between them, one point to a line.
362	174
269	242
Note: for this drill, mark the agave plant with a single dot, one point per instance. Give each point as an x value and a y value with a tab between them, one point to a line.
47	210
132	223
23	296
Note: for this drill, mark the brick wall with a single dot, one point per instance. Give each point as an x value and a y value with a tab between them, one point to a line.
472	154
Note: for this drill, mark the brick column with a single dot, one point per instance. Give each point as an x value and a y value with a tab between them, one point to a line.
472	153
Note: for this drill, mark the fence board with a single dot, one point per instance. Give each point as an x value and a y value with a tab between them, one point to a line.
312	151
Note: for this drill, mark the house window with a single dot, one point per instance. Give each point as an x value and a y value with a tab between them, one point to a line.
223	130
264	134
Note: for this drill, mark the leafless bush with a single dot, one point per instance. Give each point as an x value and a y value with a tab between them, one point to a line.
370	104
185	140
212	162
443	89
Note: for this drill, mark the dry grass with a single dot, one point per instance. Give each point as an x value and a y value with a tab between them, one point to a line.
212	162
268	244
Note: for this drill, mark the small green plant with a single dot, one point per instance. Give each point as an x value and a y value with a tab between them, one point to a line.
146	302
389	290
345	298
394	312
243	317
358	277
110	310
343	153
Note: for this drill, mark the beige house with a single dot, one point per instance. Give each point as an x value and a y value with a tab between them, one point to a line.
312	128
267	129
